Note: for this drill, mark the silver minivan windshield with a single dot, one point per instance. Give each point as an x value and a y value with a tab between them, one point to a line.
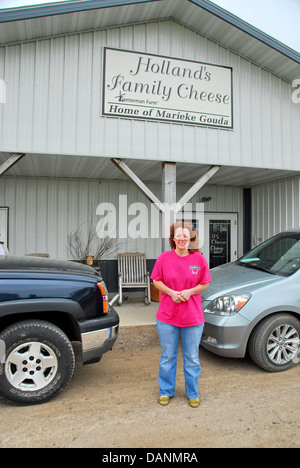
279	255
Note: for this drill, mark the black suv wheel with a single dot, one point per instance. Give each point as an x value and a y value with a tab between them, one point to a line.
39	362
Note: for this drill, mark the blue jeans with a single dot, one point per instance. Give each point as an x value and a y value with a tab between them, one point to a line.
190	339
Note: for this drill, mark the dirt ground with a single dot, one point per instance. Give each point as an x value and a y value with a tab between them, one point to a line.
113	404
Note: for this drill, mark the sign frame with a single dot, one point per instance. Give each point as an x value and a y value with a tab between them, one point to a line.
163	71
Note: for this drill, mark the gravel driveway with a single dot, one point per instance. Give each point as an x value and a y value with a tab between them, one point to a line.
113	404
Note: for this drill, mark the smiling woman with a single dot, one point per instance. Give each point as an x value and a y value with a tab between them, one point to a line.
189	232
180	274
182	240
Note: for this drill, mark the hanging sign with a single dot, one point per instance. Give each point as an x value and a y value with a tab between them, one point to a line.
152	87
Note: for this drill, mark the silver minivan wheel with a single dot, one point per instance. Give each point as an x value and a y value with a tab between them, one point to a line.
274	343
282	344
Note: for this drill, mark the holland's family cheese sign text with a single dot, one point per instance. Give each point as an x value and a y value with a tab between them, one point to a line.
152	87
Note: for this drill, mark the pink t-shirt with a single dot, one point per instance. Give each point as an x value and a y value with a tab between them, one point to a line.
180	273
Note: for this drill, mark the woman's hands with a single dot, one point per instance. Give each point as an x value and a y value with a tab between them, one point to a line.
180	296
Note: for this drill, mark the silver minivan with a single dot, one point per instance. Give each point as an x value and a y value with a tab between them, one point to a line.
253	305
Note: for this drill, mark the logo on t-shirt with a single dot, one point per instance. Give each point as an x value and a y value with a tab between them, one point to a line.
195	269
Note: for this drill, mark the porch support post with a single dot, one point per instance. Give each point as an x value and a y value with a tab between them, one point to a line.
169	207
169	200
11	161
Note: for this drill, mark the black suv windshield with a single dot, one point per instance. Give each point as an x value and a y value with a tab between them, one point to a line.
279	255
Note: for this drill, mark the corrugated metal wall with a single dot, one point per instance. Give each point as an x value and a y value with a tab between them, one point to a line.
275	208
42	212
53	103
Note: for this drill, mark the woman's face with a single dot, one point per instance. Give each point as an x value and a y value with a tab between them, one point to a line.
182	239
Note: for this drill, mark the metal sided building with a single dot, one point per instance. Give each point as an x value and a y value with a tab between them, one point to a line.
121	113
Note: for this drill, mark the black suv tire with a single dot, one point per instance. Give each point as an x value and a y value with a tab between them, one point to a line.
39	362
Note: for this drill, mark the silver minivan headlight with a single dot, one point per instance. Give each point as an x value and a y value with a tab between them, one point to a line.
227	304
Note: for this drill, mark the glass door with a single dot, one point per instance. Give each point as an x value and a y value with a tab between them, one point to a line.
217	233
220	238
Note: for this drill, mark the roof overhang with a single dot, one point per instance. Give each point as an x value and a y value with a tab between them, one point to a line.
100	168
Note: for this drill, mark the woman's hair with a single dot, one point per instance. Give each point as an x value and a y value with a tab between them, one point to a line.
193	245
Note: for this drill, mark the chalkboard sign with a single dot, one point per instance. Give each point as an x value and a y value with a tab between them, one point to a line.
219	242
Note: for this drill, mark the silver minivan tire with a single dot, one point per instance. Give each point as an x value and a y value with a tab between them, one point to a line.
274	343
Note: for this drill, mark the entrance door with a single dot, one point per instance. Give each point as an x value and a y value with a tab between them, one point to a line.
220	238
217	234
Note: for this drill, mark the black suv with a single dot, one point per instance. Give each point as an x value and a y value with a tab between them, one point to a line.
44	305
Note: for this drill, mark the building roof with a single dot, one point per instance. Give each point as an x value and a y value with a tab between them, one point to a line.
59	18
